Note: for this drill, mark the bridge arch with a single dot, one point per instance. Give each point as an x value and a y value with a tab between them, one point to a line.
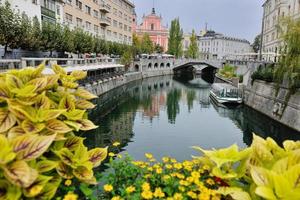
156	65
162	65
150	65
168	65
136	68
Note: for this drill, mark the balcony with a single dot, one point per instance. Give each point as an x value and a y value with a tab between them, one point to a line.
104	8
104	21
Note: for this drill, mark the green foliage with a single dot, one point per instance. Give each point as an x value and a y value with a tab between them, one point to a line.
262	171
264	74
289	65
127	59
10	27
146	44
193	51
175	39
158	49
228	72
39	116
256	43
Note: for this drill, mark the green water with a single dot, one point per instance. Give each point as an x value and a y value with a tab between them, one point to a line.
167	115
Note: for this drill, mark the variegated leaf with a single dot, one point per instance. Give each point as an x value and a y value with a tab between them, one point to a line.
64	171
29	146
19	173
83	104
97	155
30	127
46	165
80	92
58	126
7	120
86	125
78	74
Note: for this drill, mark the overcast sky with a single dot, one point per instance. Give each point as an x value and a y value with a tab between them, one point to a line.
237	18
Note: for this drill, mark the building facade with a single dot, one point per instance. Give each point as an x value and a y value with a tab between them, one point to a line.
44	10
214	45
109	19
152	25
274	11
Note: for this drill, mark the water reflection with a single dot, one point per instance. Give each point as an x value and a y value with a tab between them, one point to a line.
166	115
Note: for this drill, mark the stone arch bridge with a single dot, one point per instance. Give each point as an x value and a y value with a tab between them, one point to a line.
175	65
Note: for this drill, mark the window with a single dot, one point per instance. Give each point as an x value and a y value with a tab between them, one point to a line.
79	22
79	4
96	29
34	1
69	2
115	23
57	9
152	27
125	27
129	28
88	10
120	25
95	1
96	13
120	14
88	25
69	18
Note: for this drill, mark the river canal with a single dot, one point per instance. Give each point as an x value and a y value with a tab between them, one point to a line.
168	115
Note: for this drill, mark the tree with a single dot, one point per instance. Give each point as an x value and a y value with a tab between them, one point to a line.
158	48
50	36
136	45
26	28
66	40
126	59
10	30
193	51
175	39
83	42
256	43
35	34
146	45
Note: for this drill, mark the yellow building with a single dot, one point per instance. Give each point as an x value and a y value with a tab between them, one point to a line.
109	19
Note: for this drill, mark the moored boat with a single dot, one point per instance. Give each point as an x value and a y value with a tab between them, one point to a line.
224	93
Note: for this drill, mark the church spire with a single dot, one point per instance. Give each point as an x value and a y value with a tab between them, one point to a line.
153	9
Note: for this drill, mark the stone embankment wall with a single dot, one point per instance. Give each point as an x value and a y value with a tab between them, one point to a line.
101	87
262	97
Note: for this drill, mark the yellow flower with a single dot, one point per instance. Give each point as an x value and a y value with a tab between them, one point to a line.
180	176
147	194
204	196
158	193
181	188
177	165
177	196
35	190
68	182
165	159
159	170
173	160
115	144
70	196
210	181
182	182
146	186
190	179
150	169
148	155
192	194
130	189
166	177
108	188
111	154
195	175
116	198
168	166
152	160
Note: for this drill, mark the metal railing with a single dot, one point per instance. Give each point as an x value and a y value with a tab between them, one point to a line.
6	64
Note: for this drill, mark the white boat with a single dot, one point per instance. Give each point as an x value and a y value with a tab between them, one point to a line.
224	93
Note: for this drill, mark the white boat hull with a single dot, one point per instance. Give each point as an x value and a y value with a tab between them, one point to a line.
224	100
